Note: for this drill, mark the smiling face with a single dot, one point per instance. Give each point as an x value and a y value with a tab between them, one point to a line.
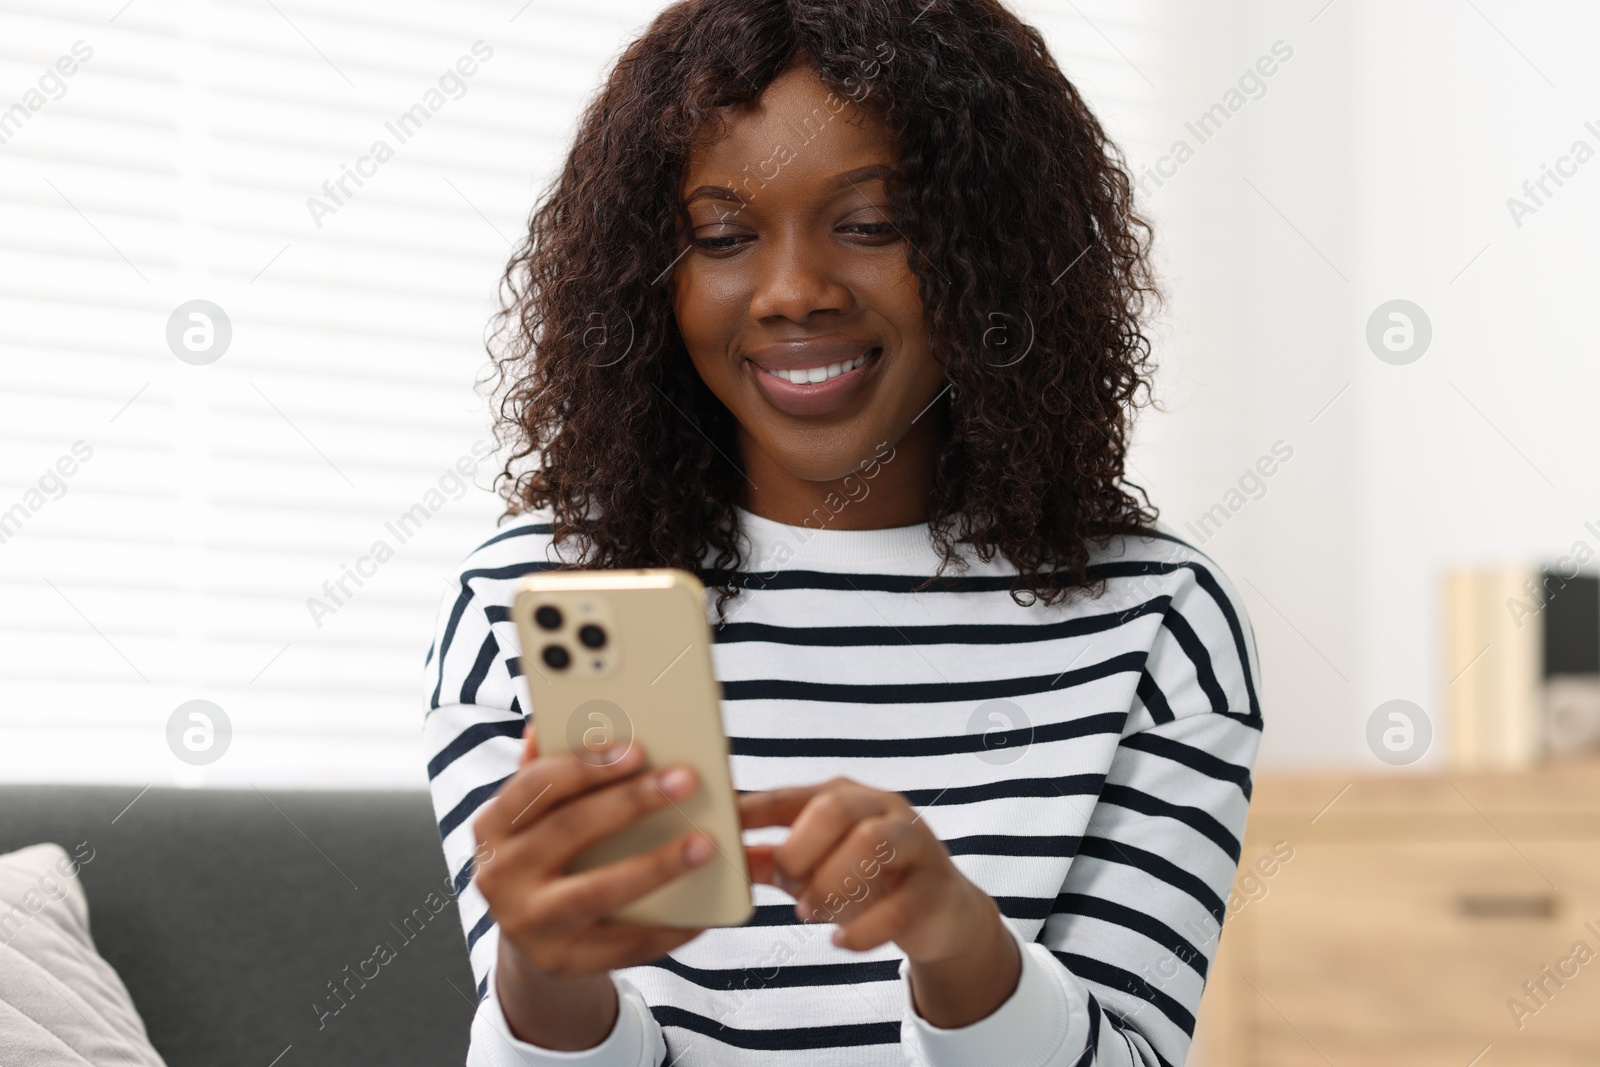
798	307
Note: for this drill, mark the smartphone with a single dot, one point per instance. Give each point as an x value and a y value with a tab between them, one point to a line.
624	657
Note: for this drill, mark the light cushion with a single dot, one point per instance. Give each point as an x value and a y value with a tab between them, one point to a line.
60	1003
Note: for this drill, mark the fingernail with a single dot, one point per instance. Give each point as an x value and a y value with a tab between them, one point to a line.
606	754
698	851
677	783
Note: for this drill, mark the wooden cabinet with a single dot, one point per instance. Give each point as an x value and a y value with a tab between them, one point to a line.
1406	920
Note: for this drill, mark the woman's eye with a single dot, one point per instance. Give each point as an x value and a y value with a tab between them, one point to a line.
872	229
716	244
729	242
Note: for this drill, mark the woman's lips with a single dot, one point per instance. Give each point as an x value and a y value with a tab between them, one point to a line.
814	398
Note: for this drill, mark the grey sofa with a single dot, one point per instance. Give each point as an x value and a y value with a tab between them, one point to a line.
233	916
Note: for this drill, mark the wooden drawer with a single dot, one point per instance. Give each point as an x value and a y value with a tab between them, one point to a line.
1400	932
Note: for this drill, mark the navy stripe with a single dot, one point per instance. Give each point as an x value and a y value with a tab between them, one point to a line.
1208	582
1092	1047
469	804
1063	846
479	928
929	692
1195	649
1197	819
1120	1027
459	608
1139	922
1084	785
1112	977
794	578
1021	908
1102	848
780	976
772	915
780	1039
1025	908
438	685
1154	700
892	747
471	738
788	579
480	669
1193	758
949	634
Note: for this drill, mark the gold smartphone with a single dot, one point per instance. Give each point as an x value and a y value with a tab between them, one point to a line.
624	656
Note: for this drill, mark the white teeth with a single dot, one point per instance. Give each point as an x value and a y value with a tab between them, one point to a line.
812	375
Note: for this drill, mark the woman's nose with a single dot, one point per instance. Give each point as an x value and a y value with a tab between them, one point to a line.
795	275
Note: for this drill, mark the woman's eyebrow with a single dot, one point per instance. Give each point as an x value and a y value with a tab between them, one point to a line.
859	174
711	192
837	181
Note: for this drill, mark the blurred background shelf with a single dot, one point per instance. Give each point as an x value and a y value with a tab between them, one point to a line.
1407	919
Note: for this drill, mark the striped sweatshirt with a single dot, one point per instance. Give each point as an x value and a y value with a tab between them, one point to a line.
1087	764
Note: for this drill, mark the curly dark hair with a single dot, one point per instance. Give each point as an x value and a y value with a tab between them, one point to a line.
1018	221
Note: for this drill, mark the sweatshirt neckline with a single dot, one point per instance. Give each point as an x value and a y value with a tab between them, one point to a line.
771	541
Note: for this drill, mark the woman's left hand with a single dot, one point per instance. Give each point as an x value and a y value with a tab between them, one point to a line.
863	859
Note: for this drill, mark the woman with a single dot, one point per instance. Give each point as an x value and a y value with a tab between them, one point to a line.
839	304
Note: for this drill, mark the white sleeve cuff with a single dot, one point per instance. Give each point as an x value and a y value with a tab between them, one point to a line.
1045	1022
635	1039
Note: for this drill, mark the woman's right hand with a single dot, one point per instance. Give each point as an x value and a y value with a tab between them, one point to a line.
557	944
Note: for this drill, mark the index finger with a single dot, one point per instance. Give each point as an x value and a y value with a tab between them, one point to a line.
775	807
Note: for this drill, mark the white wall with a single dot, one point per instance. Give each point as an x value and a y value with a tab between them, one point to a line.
1391	142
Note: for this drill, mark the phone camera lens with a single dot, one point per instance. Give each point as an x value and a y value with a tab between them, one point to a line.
548	617
592	636
556	657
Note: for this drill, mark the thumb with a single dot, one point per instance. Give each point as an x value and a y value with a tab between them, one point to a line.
530	740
